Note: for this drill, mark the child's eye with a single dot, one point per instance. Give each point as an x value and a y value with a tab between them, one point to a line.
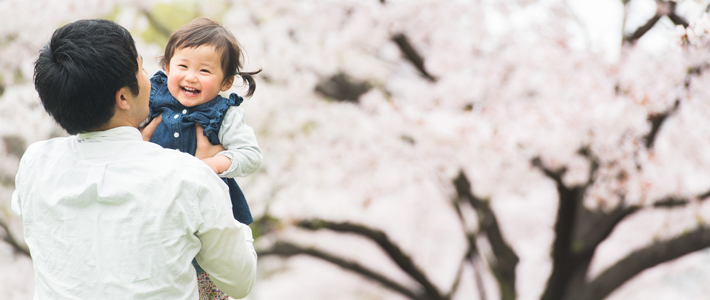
182	66
205	71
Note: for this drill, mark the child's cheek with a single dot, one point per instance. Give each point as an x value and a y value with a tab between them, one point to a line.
173	87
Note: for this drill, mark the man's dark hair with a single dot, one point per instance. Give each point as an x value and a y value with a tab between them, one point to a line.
80	70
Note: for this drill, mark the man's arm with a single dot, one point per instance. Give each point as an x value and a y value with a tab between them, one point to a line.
15	203
26	166
227	252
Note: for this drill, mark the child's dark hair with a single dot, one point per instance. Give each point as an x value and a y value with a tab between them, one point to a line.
80	70
203	31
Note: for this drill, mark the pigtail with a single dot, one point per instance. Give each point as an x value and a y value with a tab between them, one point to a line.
248	79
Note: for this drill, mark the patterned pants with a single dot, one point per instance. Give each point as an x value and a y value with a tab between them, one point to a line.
209	291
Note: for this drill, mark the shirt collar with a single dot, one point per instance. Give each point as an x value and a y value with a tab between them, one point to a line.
117	133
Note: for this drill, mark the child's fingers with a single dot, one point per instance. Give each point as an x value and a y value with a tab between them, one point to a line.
148	130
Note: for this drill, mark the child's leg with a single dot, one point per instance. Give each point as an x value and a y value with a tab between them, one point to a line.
207	289
240	208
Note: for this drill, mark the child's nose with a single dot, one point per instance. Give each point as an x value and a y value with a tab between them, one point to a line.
190	76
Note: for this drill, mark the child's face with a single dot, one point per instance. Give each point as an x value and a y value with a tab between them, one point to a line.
195	75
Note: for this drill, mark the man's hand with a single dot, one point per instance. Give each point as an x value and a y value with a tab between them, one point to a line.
148	130
204	148
206	152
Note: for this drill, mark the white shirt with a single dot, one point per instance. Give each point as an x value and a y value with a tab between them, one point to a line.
109	216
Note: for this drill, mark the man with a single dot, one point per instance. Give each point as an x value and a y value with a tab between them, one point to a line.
107	215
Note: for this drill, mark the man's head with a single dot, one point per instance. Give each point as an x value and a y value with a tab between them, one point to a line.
80	71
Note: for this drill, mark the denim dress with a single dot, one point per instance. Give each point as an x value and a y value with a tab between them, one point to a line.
177	130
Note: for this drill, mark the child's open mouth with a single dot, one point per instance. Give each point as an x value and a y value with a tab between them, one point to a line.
190	91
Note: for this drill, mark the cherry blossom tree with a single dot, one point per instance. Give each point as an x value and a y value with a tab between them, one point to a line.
429	150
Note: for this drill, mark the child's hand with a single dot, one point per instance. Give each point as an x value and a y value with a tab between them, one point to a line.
147	131
206	152
219	163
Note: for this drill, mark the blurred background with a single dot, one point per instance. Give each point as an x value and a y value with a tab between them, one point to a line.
468	149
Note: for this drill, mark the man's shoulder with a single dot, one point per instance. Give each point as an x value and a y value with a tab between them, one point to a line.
170	157
45	146
183	169
124	152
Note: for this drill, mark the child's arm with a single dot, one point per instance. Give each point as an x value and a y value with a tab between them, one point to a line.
240	141
208	152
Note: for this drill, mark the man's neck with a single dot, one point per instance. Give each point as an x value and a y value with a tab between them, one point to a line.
113	123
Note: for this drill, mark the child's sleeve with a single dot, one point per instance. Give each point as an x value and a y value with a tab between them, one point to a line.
239	140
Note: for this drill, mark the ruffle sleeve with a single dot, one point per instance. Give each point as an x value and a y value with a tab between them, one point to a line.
159	94
213	124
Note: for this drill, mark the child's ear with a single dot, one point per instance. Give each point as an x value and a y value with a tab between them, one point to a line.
167	69
227	84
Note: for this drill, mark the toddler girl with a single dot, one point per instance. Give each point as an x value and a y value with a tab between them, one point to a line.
201	59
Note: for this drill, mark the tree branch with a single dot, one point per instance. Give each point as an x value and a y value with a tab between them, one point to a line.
704	196
341	87
663	8
159	27
597	228
670	202
479	280
380	238
506	259
695	71
678	20
641	260
10	239
285	249
566	264
556	176
412	55
593	163
471	255
656	122
641	30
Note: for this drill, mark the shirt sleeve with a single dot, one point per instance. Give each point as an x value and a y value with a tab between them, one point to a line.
16	201
227	252
15	204
239	140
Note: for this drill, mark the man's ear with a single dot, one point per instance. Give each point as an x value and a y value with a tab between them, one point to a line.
122	98
228	84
